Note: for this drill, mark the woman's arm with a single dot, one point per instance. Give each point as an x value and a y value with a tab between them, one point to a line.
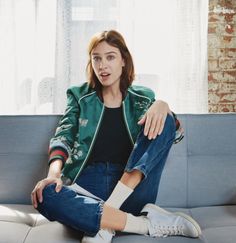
61	144
59	148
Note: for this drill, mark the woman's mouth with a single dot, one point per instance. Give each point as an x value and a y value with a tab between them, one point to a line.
105	76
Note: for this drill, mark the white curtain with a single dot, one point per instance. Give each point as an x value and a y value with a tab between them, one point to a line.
168	41
27	56
173	38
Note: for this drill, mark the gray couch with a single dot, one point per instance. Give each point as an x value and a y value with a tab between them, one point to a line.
199	179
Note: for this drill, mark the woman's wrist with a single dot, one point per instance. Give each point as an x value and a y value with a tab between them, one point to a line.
167	106
55	168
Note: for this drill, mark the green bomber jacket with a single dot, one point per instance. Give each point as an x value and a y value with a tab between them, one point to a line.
77	129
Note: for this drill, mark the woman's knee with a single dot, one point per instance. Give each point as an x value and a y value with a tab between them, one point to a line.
45	206
168	132
170	122
49	190
47	194
169	127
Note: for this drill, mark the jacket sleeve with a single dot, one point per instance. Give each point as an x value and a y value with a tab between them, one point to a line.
61	144
179	133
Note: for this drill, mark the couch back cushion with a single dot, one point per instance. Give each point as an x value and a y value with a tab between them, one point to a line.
200	170
24	144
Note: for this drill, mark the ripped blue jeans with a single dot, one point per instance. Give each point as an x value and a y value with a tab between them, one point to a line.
83	213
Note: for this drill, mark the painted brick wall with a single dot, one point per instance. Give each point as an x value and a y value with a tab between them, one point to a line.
222	56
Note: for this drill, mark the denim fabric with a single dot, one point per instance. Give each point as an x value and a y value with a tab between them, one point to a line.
149	156
67	207
83	213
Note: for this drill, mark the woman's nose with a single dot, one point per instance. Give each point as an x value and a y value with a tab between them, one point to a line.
102	64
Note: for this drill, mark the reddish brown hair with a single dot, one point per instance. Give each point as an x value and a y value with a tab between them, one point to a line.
115	39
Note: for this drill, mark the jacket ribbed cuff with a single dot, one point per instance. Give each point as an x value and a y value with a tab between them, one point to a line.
179	134
57	153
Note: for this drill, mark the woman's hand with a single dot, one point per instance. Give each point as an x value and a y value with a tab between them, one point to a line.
54	177
37	193
154	119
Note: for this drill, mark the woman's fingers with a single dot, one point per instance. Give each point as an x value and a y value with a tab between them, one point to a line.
161	125
154	125
34	195
147	124
58	185
34	199
39	193
142	120
155	119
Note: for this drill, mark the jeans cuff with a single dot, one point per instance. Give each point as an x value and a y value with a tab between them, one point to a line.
140	168
97	224
99	215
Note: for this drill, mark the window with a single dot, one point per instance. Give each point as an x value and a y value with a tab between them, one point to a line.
44	46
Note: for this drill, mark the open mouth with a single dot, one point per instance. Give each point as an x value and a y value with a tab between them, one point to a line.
105	74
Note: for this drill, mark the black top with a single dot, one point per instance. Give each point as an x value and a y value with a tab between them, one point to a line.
112	143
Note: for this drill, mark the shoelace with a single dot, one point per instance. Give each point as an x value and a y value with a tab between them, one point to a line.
164	231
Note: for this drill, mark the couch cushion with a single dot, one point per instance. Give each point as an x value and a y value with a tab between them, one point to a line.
141	239
19	174
217	216
218	223
30	226
211	159
23	154
212	180
22	214
220	235
53	232
211	217
13	232
173	184
200	170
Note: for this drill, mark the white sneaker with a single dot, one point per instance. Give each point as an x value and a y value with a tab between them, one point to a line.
163	223
103	236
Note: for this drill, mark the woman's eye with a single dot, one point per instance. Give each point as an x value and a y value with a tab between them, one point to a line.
110	57
96	59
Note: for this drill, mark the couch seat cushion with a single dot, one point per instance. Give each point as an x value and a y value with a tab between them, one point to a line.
22	223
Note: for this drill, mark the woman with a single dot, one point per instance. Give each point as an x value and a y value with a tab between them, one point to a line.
113	141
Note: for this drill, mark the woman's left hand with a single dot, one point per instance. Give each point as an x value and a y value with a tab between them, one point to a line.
154	119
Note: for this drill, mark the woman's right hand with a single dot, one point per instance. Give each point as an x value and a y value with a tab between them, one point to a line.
37	193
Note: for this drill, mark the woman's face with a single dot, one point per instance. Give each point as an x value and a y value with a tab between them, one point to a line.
107	64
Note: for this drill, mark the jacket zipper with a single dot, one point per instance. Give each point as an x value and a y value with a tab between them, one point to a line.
126	123
92	143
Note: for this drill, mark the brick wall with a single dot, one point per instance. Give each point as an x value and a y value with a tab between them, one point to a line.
222	56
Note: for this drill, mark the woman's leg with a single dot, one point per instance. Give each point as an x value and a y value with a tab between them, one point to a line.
157	223
147	154
75	210
146	190
145	165
143	173
69	208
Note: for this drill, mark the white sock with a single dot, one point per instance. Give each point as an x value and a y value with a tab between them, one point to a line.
120	193
138	225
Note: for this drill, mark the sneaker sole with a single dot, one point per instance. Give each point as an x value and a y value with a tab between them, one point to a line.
187	217
190	219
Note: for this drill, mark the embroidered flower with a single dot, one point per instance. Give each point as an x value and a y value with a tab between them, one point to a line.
83	122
